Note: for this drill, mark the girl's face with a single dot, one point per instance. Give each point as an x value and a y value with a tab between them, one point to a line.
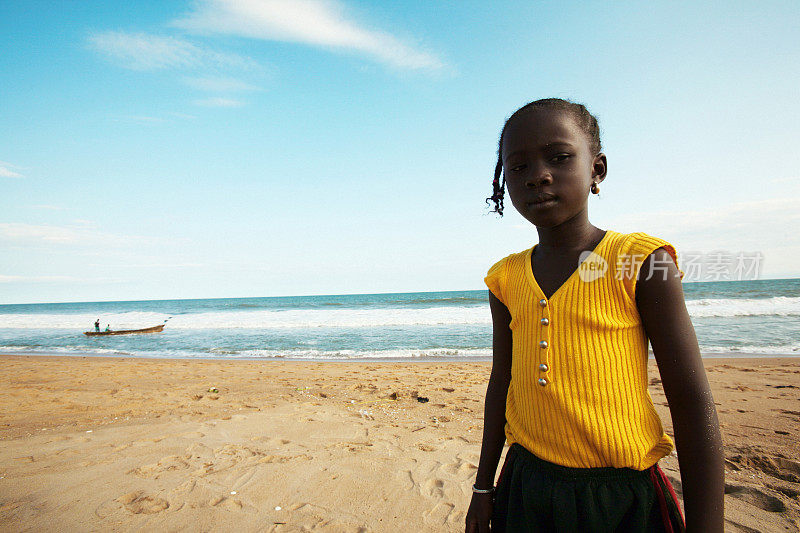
549	166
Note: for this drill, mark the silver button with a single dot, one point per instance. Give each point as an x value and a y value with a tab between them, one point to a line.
543	302
542	382
544	321
543	367
543	344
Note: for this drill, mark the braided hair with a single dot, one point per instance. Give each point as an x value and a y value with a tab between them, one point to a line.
585	120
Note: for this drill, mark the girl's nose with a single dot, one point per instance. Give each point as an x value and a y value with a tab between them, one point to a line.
538	178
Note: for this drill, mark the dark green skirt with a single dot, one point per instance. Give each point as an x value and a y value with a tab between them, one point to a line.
534	495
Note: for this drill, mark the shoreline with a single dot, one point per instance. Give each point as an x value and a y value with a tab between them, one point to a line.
130	443
425	359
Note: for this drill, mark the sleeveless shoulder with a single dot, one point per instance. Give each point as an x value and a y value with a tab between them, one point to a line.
497	277
632	250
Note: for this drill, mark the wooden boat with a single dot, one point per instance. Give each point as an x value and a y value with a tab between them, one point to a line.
154	329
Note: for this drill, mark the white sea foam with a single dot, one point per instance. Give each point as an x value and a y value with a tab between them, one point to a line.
258	319
262	354
325	355
784	349
356	318
66	350
130	320
366	354
727	307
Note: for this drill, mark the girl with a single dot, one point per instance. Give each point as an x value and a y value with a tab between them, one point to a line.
568	387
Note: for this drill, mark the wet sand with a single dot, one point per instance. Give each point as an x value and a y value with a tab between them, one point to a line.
124	444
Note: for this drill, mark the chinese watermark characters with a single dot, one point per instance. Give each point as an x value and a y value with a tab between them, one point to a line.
696	266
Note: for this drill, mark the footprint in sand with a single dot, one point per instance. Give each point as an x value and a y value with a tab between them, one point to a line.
460	468
310	517
755	497
199	450
274	441
775	466
433	488
140	503
275	459
216	500
732	526
238	482
442	514
166	464
407	477
187	486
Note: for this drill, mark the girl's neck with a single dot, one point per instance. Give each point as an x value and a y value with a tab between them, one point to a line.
575	234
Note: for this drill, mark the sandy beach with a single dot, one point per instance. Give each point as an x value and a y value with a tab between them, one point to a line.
128	444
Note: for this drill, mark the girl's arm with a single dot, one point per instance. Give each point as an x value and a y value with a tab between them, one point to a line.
694	417
494	418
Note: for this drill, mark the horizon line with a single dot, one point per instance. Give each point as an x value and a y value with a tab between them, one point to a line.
341	294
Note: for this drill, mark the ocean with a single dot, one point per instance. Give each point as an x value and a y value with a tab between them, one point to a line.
757	317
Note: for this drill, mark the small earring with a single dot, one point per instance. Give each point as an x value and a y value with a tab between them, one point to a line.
595	188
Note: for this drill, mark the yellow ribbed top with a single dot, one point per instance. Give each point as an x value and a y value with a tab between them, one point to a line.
593	408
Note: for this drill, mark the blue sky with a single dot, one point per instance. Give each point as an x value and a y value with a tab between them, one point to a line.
218	148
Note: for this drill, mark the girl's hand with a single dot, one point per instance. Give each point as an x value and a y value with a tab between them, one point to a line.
479	513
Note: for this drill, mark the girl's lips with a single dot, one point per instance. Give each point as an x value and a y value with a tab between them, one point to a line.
544	201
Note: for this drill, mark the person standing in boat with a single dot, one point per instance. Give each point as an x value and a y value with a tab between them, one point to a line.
97	325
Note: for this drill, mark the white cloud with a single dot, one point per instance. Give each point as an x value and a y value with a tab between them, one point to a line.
789	180
314	22
50	207
756	221
34	279
6	172
151	265
14	231
144	51
220	84
183	116
767	226
79	234
152	119
218	102
144	119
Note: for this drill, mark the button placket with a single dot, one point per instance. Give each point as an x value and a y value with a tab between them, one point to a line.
544	343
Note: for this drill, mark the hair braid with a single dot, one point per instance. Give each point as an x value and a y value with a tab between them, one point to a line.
499	188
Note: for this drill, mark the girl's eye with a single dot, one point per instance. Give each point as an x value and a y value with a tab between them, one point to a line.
517	168
560	158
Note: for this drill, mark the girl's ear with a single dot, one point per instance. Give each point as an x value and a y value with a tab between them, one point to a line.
599	167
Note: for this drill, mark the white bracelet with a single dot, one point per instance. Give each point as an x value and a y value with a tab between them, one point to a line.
476	490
